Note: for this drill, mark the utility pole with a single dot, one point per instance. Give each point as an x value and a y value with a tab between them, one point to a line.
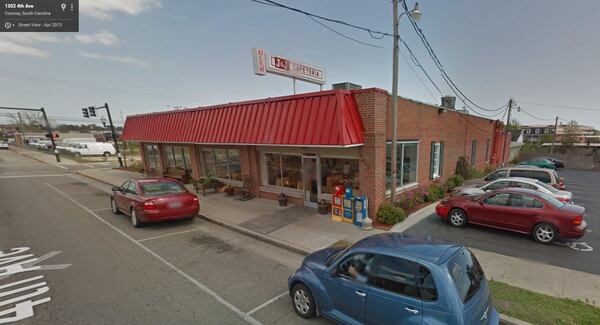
554	135
50	135
20	118
394	151
48	128
510	105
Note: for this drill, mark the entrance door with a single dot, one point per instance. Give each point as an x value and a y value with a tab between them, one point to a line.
311	180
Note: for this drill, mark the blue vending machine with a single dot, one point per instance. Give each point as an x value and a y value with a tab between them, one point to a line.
361	209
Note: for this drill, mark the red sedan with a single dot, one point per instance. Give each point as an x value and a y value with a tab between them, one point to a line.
153	200
517	209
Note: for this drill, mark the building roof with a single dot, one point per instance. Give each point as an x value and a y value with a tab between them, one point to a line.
326	118
422	247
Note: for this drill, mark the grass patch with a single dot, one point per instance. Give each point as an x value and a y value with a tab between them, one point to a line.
541	309
341	244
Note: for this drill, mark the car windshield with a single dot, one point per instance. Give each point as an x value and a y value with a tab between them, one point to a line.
337	254
466	273
550	199
546	186
161	188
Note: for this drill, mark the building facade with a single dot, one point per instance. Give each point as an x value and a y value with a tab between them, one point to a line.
306	144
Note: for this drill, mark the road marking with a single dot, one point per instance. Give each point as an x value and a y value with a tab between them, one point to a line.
170	234
268	302
198	284
101	209
27	176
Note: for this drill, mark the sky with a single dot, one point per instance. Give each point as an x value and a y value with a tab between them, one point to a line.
154	55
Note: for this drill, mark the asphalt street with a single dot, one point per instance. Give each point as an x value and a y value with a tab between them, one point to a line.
97	269
582	254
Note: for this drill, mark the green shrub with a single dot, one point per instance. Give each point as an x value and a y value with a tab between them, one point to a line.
137	166
389	214
435	191
451	183
458	180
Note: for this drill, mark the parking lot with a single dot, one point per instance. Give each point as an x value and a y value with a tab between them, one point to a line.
582	254
100	270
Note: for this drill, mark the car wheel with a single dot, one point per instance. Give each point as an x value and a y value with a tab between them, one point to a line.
113	206
303	302
544	233
106	154
457	218
134	219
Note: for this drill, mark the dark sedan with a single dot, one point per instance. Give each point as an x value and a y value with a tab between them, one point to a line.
153	200
521	210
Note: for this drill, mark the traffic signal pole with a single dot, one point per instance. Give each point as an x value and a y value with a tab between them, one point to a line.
91	111
114	135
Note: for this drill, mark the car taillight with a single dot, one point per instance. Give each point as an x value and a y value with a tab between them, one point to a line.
578	220
195	201
149	205
563	199
561	184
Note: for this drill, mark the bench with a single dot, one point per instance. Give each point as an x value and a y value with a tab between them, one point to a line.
200	186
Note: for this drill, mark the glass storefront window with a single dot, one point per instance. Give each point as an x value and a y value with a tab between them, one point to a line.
273	169
177	157
291	171
221	163
209	163
407	155
336	171
235	167
170	160
152	156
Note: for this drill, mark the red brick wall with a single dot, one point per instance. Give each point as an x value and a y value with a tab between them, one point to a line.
372	107
418	121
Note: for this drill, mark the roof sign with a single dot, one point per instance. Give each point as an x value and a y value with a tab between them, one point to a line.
266	63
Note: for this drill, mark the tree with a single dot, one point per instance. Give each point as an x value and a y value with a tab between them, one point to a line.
570	135
546	138
514	125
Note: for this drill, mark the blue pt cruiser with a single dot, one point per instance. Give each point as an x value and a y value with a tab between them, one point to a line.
394	279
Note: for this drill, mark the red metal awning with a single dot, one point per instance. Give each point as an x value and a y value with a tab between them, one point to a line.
327	118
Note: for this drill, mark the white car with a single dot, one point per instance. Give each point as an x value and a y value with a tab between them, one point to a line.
94	149
3	145
529	183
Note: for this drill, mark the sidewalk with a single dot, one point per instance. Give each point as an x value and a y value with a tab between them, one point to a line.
303	230
44	157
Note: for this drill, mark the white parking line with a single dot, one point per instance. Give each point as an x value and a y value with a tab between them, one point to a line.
268	302
170	234
28	176
101	209
201	286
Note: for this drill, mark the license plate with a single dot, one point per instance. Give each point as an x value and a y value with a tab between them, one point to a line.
174	205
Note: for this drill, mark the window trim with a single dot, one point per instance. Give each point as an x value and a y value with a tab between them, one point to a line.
411	184
204	165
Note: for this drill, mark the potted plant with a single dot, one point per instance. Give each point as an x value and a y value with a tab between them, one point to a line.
283	199
228	190
323	206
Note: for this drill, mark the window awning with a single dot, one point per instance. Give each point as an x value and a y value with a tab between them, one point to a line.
327	118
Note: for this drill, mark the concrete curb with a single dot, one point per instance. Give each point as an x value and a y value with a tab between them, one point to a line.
30	157
417	216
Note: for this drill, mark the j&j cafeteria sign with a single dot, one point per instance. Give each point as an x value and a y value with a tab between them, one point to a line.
266	63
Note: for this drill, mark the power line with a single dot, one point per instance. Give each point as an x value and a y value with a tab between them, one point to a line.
535	117
343	35
443	72
563	106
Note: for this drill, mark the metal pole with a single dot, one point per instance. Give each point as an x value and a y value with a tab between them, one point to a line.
126	151
114	135
554	136
49	129
394	153
294	83
510	103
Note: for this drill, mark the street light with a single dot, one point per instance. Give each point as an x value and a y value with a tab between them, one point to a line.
415	15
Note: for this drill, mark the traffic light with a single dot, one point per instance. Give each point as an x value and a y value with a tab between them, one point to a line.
85	112
92	111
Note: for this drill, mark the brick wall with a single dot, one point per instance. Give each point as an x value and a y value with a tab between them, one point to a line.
421	122
372	107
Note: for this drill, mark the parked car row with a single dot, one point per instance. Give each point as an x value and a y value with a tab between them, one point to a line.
543	162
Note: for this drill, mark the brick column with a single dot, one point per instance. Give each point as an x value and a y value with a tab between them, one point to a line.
372	105
194	161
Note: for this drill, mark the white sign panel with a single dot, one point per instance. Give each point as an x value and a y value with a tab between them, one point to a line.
266	63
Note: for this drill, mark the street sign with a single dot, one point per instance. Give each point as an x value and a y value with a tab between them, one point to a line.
266	63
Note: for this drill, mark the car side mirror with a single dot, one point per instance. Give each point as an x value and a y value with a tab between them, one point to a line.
116	189
480	202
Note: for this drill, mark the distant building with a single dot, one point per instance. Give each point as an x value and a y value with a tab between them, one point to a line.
534	133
